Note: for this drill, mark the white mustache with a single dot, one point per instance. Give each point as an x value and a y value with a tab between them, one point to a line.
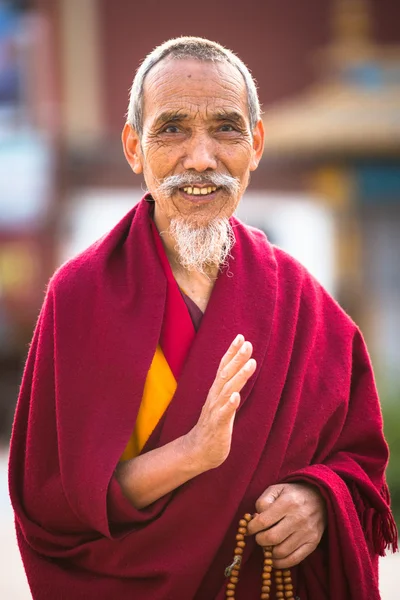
171	184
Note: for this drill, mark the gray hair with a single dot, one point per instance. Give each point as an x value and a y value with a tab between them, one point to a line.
189	47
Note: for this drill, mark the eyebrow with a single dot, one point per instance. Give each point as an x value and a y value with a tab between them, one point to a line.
168	116
229	115
177	117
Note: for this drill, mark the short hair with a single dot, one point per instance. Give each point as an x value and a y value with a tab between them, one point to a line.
189	47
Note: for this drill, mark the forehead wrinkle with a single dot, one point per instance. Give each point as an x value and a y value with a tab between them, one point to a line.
169	84
166	88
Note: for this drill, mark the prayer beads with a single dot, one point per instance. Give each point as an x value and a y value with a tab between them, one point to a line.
283	578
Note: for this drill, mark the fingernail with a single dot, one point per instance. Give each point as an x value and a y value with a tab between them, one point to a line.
244	348
239	338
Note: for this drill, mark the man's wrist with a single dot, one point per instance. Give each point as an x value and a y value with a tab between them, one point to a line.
191	456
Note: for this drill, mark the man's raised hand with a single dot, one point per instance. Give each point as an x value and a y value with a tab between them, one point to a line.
210	439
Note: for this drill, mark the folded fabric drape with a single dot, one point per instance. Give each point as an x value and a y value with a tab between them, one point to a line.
177	335
309	413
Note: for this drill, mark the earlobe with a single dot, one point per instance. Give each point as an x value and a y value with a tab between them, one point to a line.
132	150
258	145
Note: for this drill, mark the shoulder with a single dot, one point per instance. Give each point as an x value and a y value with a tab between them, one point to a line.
80	269
83	270
314	297
296	283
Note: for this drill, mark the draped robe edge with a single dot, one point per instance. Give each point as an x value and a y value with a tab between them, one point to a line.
299	420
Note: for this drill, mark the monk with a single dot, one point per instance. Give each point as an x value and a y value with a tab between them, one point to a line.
198	418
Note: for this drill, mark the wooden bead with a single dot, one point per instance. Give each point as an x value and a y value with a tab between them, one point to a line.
283	578
247	517
267	569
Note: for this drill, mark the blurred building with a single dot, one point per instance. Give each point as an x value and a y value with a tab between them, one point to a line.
27	170
345	132
327	188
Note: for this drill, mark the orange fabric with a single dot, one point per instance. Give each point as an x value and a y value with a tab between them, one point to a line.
158	391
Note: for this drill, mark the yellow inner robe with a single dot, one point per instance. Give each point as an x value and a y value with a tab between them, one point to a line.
158	392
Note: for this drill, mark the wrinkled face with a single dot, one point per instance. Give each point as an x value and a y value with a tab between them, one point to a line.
195	126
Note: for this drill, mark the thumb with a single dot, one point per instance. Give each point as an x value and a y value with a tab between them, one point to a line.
268	497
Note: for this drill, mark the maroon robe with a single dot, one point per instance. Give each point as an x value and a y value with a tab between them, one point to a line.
310	413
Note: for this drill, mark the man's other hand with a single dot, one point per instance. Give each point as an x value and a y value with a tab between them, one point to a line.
209	442
291	517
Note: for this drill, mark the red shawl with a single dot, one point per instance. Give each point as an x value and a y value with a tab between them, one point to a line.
310	413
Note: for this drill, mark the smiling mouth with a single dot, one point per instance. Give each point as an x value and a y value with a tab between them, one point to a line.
192	190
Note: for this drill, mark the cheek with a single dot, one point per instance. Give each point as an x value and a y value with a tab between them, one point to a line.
238	158
160	158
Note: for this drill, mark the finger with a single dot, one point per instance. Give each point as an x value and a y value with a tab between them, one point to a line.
236	363
228	410
237	383
289	545
270	495
219	381
278	533
231	352
295	558
225	376
275	512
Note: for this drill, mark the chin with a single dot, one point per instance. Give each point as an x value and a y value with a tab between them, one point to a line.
203	215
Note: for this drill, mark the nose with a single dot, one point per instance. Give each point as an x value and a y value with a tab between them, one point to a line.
200	153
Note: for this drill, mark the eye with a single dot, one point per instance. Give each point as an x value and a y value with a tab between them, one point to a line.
227	128
170	129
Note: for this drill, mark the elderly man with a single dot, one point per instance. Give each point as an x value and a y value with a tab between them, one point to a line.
193	398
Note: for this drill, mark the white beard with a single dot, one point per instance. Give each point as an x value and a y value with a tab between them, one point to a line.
202	247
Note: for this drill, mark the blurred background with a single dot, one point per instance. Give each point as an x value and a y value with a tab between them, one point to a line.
327	188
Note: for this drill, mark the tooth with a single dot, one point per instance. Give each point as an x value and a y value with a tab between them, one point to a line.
204	191
214	189
208	190
196	191
185	190
189	190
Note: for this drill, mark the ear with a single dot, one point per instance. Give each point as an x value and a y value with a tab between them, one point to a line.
258	145
132	149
